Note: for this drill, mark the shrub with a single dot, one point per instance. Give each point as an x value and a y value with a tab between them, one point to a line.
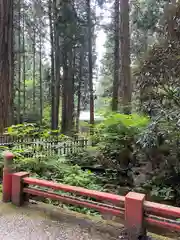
31	130
116	138
159	144
85	157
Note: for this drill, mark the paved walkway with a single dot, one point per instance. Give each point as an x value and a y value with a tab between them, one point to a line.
37	223
15	227
28	224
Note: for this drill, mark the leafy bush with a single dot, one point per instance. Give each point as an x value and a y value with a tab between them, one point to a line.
113	145
160	145
31	130
35	160
56	169
116	138
85	157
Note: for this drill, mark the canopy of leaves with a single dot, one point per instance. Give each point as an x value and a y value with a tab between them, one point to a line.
158	73
161	67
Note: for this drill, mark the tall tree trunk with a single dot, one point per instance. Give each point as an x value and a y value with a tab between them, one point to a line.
170	12
19	63
125	73
79	88
24	69
68	93
53	124
6	62
64	92
12	76
116	57
78	105
90	67
40	78
57	65
34	70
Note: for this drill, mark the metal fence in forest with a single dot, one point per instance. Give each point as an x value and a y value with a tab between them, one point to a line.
36	146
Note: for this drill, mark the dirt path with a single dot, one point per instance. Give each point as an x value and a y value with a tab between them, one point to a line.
48	223
28	224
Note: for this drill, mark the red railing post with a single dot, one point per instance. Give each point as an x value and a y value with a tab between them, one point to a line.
18	197
7	176
134	214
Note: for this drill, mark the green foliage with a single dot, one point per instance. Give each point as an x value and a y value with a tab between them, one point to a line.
57	169
83	158
46	115
35	160
147	13
32	130
159	144
134	121
119	129
115	140
158	74
165	193
158	84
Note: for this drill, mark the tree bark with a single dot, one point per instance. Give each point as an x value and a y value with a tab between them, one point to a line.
68	93
19	63
57	65
53	124
125	71
64	92
12	76
79	88
6	62
90	63
116	57
34	70
40	78
24	69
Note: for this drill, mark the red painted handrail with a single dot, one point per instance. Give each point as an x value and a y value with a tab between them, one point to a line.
162	224
162	209
119	200
69	200
132	209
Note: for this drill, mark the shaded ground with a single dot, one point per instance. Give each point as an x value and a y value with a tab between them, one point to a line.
40	223
20	226
27	224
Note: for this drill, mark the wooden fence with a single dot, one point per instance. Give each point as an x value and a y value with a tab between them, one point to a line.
37	146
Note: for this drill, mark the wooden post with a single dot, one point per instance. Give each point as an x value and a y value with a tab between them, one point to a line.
18	197
7	176
134	214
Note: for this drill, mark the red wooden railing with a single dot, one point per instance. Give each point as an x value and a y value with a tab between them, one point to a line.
134	211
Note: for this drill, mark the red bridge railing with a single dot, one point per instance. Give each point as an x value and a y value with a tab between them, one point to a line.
133	209
73	200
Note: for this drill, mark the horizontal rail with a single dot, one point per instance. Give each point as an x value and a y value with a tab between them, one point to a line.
132	208
162	224
73	201
162	209
119	200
